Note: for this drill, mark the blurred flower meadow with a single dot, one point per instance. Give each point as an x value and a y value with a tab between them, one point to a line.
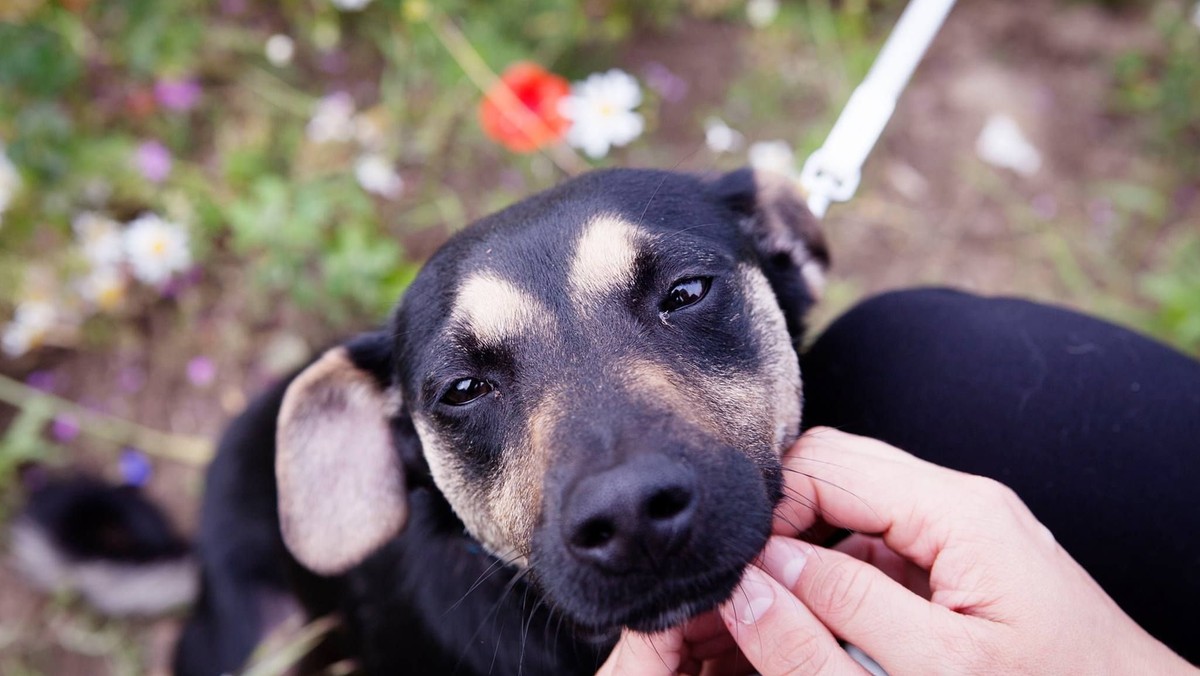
140	148
195	195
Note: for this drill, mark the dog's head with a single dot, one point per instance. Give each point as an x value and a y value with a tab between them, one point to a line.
599	380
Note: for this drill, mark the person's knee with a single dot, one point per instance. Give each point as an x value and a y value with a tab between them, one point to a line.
909	318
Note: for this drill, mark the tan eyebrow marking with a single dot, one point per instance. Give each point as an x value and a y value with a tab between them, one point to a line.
604	257
494	309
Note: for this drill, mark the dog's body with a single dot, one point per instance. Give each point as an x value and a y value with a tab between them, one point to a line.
431	601
572	425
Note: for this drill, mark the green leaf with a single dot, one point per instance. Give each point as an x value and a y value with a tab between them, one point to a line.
23	441
36	61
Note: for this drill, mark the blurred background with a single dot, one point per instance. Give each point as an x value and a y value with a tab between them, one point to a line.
196	195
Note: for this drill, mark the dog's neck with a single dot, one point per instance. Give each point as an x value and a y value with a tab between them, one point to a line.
491	618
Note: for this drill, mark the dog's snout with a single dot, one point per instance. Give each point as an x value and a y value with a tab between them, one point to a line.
627	517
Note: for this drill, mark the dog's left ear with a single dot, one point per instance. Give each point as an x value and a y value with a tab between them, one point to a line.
785	235
341	479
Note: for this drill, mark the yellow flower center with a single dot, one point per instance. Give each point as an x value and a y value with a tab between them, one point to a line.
109	297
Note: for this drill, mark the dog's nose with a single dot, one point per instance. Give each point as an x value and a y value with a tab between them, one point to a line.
631	515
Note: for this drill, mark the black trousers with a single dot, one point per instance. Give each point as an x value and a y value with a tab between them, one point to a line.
1096	427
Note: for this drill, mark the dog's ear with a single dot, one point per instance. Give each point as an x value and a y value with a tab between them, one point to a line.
785	235
340	475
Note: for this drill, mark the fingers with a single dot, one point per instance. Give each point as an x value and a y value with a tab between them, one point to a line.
777	634
705	638
702	646
870	487
646	655
874	551
860	604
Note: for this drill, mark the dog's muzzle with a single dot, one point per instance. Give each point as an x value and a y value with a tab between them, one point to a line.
653	539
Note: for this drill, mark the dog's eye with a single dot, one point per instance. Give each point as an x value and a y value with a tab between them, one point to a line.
465	391
685	292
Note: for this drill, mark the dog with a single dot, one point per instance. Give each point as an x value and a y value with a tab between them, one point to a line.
571	425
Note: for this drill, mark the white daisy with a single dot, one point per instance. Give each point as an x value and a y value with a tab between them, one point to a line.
103	287
156	249
18	339
350	5
773	156
30	325
370	130
601	110
720	137
376	174
10	182
333	120
1002	144
280	49
99	238
761	13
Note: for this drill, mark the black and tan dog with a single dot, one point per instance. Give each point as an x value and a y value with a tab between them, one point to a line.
572	424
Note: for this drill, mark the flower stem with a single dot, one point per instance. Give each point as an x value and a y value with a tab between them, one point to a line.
180	448
274	659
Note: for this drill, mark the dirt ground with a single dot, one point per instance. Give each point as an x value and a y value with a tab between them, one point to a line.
928	212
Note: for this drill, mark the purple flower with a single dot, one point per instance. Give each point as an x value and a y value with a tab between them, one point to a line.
668	85
42	381
181	282
233	7
333	62
201	371
64	428
1044	206
1101	212
135	467
177	95
153	160
131	379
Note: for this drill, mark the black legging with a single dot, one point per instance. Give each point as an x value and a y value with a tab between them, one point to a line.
1097	428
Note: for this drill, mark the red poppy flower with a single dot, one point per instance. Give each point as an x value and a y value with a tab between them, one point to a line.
530	120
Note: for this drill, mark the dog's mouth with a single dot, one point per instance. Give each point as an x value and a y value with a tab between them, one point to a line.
668	604
681	602
648	582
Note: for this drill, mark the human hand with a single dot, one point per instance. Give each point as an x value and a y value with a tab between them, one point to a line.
993	592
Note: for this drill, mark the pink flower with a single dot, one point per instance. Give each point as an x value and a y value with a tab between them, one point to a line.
177	95
131	379
153	161
64	428
201	371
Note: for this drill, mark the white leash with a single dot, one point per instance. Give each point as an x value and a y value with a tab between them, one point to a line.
832	173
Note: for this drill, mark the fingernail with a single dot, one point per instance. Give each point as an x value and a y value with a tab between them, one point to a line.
752	598
785	559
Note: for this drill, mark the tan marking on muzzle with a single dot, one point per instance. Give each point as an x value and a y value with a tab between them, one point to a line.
780	364
726	406
475	508
518	497
604	257
494	309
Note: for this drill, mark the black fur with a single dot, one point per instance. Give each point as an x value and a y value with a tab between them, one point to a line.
432	601
89	520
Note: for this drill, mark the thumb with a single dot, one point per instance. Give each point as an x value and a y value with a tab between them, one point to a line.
861	604
778	634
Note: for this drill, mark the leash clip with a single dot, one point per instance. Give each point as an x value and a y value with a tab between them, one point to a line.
833	172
